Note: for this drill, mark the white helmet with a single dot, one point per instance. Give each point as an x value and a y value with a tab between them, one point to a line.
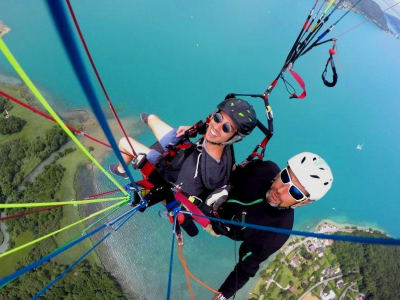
313	173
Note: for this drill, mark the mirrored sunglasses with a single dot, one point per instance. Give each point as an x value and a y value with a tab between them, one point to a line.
294	191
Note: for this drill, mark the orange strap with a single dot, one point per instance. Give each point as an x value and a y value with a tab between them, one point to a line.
183	262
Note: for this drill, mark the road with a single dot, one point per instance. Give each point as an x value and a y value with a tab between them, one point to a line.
317	284
6	240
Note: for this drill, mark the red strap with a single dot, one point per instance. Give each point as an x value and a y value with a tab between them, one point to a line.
147	169
193	208
145	184
300	81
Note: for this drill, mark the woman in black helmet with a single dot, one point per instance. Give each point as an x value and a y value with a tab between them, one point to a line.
206	165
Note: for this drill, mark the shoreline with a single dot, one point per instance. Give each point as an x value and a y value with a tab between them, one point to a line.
86	171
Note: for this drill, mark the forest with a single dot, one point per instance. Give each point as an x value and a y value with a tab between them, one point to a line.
376	268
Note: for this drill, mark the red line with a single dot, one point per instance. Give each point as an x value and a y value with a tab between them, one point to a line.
51	207
28	213
101	194
97	74
52	119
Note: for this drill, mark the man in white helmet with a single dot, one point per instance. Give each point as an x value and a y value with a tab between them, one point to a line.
263	194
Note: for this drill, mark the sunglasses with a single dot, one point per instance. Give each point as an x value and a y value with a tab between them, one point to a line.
226	127
294	191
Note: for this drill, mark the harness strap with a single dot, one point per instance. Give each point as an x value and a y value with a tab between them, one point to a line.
300	81
179	196
330	61
147	169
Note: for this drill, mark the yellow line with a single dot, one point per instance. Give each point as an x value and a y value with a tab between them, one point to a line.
38	95
72	202
329	6
60	230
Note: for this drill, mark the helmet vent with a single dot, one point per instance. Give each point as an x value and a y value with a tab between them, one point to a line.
315	176
303	160
326	183
314	159
322	169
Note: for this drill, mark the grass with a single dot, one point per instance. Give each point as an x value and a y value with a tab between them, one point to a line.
71	163
1	237
286	277
36	126
35	123
8	262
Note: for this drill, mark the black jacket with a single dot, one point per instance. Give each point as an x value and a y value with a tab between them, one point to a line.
249	185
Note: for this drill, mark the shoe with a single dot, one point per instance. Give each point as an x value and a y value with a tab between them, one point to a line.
114	169
189	226
144	117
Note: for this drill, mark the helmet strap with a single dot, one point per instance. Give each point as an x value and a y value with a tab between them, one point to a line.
217	144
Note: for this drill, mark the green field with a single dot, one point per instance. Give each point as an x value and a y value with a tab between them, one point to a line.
37	126
8	262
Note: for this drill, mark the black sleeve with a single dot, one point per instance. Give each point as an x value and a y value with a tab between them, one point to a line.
250	257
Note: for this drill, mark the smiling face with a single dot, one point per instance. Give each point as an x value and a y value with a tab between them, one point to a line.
278	195
215	132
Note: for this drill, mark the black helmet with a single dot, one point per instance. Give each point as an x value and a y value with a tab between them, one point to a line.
242	114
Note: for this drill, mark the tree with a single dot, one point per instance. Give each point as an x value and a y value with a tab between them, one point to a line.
11	125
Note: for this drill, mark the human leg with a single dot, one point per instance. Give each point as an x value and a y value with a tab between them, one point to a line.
158	126
125	147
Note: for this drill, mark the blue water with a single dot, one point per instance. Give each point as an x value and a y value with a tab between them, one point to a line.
179	58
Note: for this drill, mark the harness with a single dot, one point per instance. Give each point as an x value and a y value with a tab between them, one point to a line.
156	188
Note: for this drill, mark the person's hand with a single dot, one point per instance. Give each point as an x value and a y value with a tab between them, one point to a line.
219	297
181	130
219	196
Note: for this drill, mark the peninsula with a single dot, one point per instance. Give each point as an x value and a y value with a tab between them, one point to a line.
40	164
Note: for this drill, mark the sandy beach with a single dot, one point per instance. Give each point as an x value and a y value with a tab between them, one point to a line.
4	29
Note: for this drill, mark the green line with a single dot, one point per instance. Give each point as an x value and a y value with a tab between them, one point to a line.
246	204
247	255
59	230
93	224
80	233
11	59
39	204
329	6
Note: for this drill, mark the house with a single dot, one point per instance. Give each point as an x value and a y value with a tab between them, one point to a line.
320	251
340	284
295	262
292	288
328	296
311	248
328	272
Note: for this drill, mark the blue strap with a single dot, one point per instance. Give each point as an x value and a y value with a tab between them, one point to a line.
42	291
170	206
60	20
171	259
39	262
335	237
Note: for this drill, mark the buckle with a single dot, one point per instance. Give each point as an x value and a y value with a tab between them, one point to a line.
139	161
